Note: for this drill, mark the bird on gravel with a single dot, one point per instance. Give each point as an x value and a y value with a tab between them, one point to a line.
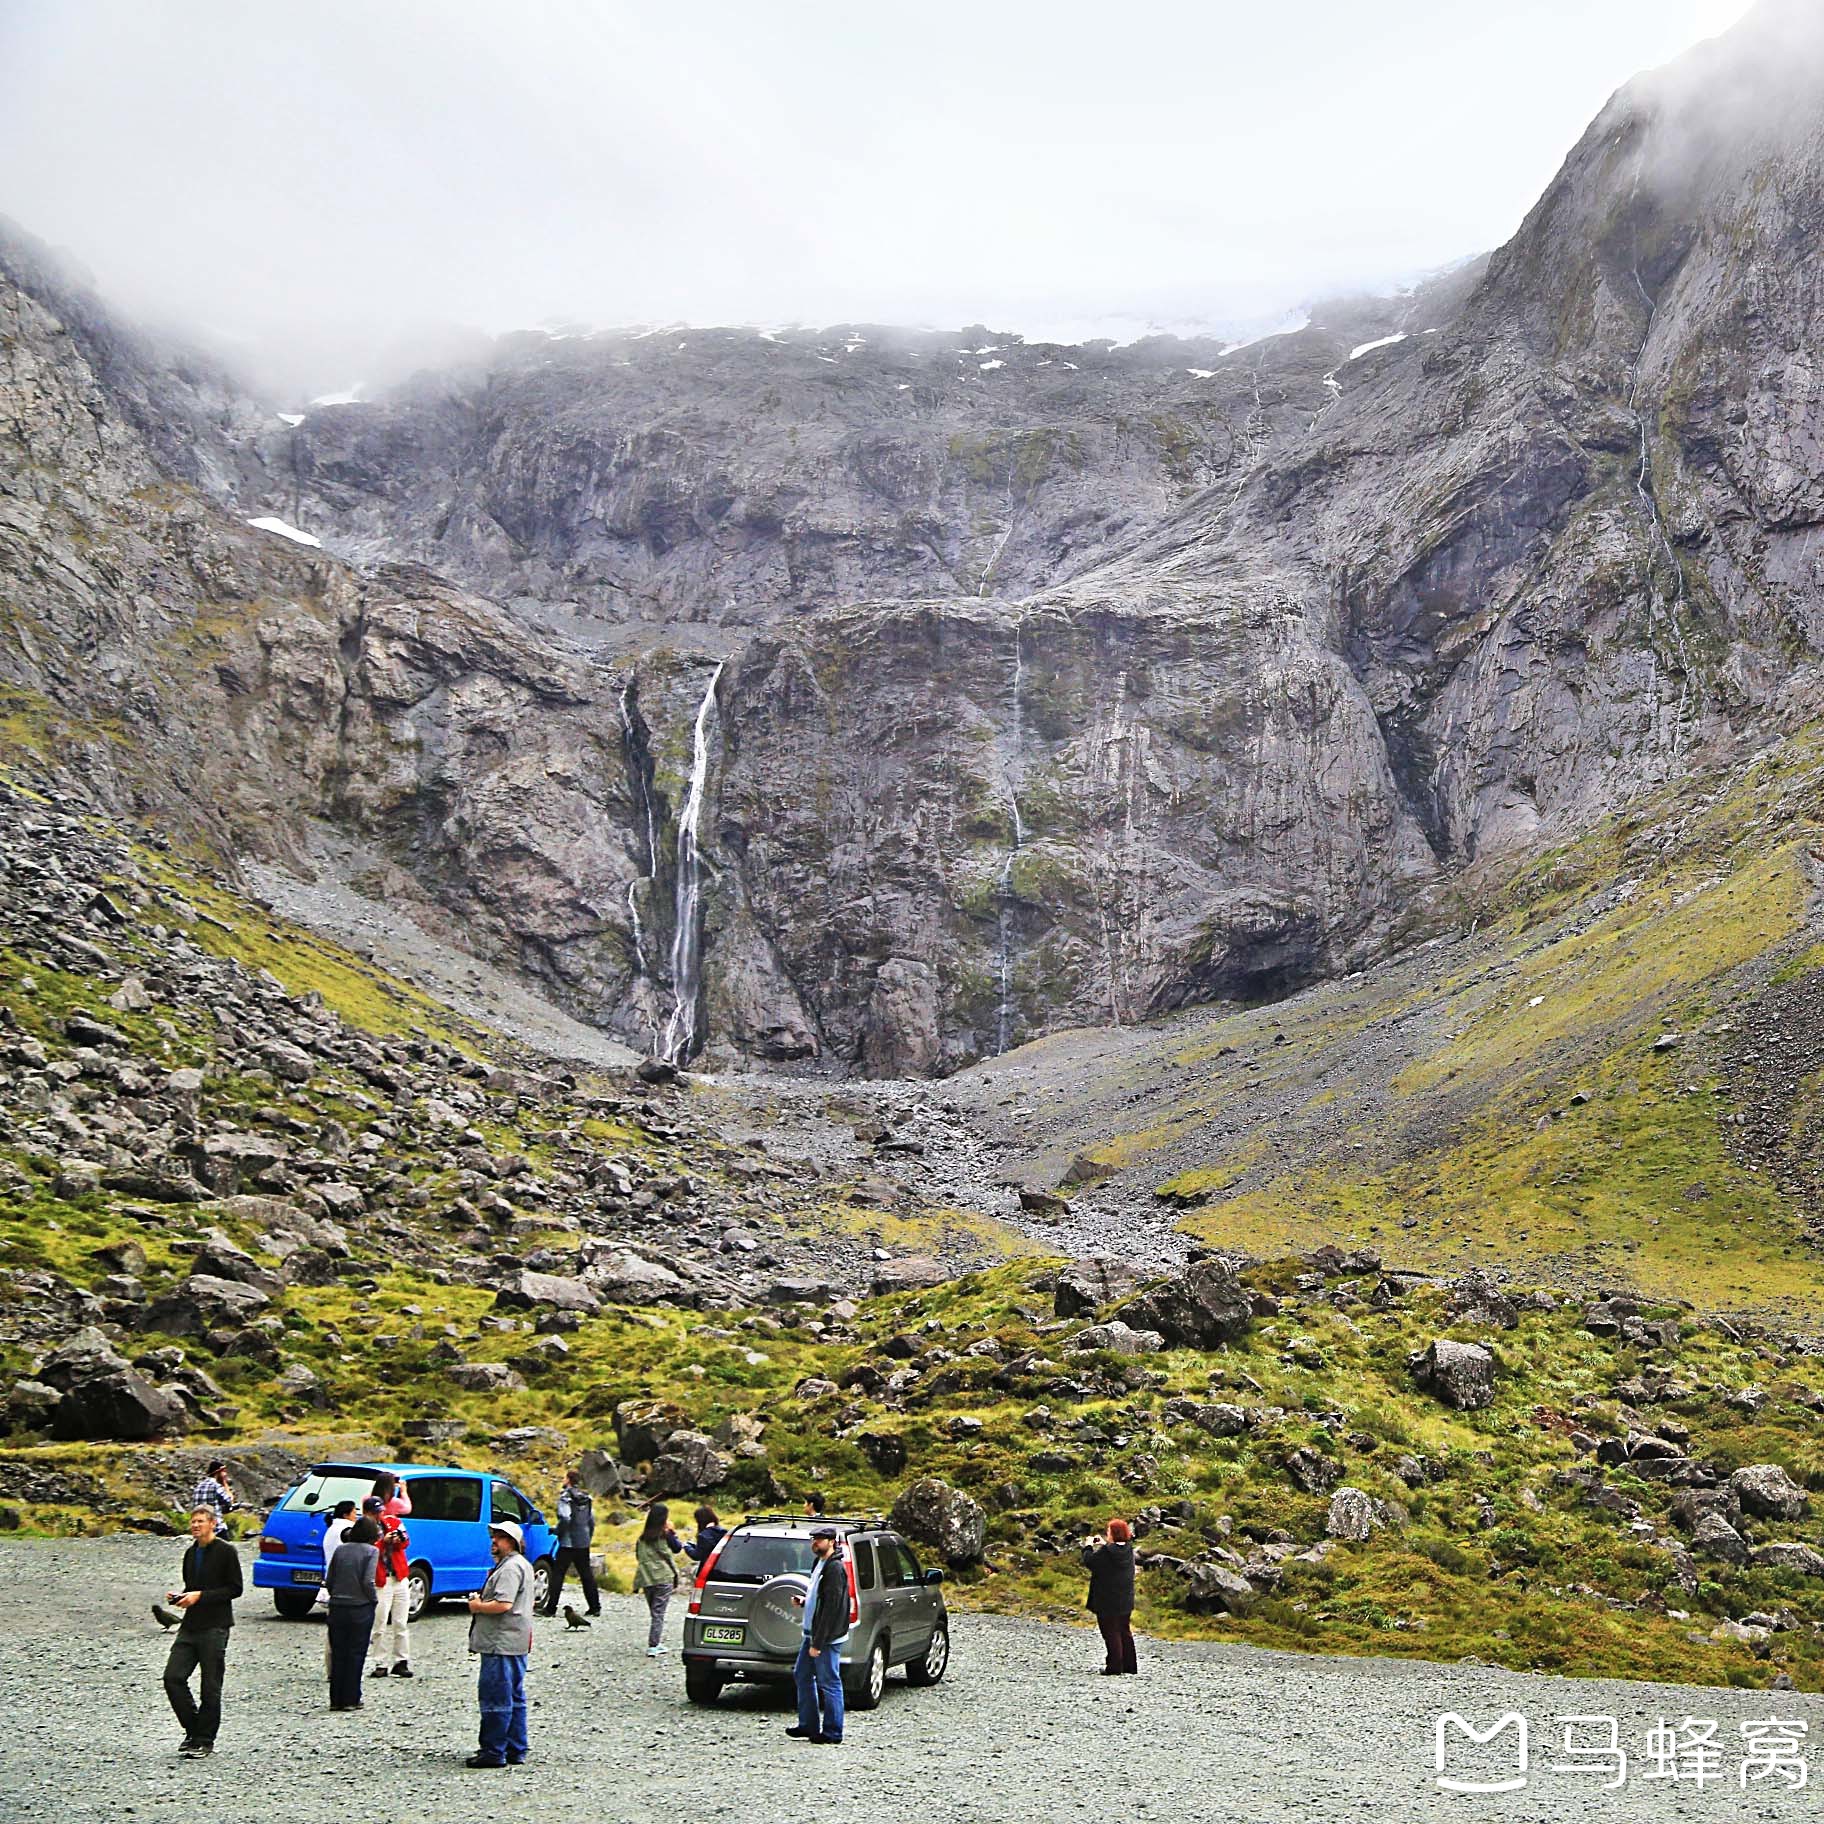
166	1618
574	1617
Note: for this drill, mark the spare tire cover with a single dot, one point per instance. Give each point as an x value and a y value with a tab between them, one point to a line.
776	1620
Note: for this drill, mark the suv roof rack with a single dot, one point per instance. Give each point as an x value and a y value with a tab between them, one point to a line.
857	1521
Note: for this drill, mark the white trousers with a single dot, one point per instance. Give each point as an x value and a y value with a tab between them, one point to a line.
389	1622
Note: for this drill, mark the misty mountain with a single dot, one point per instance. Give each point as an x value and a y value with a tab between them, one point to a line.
961	689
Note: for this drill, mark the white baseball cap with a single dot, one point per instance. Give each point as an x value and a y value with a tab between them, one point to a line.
511	1529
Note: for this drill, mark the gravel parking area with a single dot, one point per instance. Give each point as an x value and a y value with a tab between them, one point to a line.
1023	1729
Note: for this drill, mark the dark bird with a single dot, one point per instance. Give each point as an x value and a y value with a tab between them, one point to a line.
166	1618
574	1617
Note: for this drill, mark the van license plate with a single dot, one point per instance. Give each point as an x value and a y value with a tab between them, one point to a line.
724	1636
307	1576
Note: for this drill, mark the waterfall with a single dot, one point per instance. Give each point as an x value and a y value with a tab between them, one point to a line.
687	934
639	769
1004	918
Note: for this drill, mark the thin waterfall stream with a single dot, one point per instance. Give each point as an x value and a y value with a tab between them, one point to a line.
1004	912
687	932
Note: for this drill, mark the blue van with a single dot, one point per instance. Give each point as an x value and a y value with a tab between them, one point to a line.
448	1527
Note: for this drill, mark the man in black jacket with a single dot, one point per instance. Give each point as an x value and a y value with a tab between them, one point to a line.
575	1534
818	1672
212	1581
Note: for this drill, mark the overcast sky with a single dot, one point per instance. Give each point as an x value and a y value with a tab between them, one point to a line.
271	169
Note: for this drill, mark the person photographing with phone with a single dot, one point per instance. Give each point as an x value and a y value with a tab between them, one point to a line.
212	1582
818	1671
1110	1561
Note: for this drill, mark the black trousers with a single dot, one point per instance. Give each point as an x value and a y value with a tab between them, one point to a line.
561	1561
1118	1640
350	1627
206	1650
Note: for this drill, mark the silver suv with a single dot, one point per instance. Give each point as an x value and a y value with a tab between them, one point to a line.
746	1617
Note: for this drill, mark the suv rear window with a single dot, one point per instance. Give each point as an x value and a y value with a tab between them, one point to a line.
758	1557
323	1490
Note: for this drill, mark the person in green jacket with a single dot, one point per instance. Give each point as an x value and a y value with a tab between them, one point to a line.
656	1572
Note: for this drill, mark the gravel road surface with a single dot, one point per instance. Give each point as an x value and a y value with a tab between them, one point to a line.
1022	1729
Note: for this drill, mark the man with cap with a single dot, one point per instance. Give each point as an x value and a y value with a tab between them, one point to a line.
818	1672
500	1631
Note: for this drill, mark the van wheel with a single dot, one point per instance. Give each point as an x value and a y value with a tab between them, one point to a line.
702	1684
862	1692
541	1583
294	1605
420	1599
931	1668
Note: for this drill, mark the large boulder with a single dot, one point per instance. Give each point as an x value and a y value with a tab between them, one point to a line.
1220	1418
1477	1298
1460	1374
1209	1585
944	1518
485	1377
601	1475
1714	1537
1765	1489
203	1303
689	1462
121	1404
29	1406
1312	1471
87	1354
642	1428
1118	1337
1799	1560
1088	1285
1354	1514
619	1276
1205	1305
909	1273
527	1291
290	1063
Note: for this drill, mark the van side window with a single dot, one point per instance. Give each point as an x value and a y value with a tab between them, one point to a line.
864	1564
445	1498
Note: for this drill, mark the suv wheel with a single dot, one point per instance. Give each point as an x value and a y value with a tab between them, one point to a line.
702	1684
863	1692
294	1605
419	1579
931	1668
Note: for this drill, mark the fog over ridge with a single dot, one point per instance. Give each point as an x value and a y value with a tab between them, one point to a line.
324	184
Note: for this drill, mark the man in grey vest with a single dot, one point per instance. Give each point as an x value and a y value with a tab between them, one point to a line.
500	1631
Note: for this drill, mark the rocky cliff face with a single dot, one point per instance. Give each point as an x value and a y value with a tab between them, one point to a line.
1056	685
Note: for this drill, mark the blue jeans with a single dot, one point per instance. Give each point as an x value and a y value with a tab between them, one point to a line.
819	1683
502	1690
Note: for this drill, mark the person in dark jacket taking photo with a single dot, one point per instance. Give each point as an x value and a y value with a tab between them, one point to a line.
575	1535
212	1581
818	1671
1111	1595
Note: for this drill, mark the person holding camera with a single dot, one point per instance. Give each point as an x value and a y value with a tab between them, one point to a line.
1111	1595
212	1582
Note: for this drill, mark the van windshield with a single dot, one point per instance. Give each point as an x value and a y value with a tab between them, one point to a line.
757	1557
324	1490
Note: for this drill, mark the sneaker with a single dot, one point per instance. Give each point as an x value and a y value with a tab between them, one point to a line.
196	1750
403	1669
827	1741
376	1671
516	1760
803	1734
481	1760
654	1652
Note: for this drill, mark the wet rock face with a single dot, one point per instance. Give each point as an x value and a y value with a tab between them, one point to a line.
1062	686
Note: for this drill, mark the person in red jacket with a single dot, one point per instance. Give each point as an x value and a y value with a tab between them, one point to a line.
392	1614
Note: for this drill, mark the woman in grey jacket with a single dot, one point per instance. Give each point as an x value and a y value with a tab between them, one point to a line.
353	1585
